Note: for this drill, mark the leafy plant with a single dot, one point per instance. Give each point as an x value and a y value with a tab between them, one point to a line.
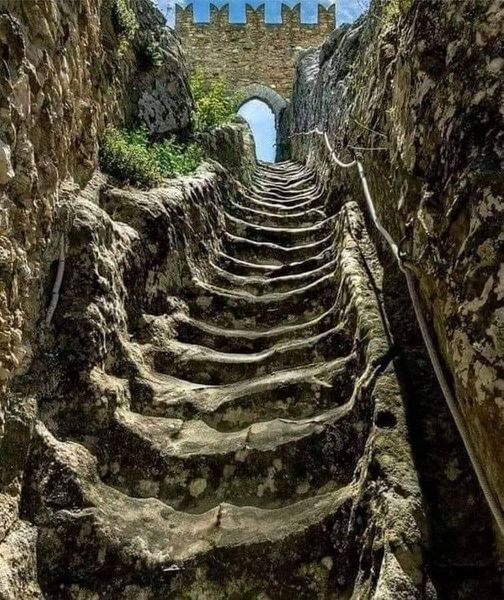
129	156
214	103
176	159
126	24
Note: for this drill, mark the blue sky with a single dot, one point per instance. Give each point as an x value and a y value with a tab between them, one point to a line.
258	115
346	10
262	122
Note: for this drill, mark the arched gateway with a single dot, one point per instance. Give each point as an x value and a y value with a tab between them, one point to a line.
257	91
255	57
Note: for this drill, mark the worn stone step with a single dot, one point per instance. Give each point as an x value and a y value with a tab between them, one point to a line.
194	331
293	393
296	177
280	199
303	204
270	253
285	197
228	447
290	178
273	172
193	467
258	216
209	366
287	236
226	544
243	267
231	308
258	285
275	269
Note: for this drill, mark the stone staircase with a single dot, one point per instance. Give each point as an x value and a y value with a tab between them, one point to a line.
260	446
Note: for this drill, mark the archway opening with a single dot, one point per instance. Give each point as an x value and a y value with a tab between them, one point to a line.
261	120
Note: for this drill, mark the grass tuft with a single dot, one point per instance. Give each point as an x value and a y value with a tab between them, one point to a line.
130	157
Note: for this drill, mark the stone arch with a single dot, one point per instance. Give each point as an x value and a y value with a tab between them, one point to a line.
257	91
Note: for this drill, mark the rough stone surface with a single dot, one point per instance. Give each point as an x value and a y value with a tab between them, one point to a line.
159	96
18	566
232	146
254	52
61	82
224	402
426	85
225	418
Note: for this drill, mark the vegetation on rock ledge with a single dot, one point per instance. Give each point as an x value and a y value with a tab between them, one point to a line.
129	156
126	22
214	103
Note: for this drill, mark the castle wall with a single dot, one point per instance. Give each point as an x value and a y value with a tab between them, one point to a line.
253	52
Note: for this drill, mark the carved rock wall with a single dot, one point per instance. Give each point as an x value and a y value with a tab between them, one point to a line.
426	87
62	80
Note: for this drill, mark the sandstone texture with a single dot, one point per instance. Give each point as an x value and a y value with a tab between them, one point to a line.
424	84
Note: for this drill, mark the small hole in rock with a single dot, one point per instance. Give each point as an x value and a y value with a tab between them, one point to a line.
385	419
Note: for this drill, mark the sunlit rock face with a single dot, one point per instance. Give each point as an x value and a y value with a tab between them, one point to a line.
63	78
425	86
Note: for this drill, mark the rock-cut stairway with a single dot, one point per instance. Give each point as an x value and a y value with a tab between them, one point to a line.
261	449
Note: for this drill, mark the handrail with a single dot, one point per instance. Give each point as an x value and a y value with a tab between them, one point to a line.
424	329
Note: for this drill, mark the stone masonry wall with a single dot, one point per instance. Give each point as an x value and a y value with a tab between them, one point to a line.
255	52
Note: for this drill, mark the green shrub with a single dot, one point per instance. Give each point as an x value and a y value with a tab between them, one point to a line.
176	159
129	156
126	23
214	103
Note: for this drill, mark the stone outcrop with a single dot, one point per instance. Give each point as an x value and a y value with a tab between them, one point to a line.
224	417
232	148
231	399
421	82
62	81
63	78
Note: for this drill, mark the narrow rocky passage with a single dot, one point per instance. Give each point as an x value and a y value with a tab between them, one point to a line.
261	448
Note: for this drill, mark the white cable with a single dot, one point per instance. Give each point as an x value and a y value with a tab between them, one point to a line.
57	282
493	504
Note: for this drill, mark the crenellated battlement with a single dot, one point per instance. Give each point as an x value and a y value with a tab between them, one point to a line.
266	14
256	44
